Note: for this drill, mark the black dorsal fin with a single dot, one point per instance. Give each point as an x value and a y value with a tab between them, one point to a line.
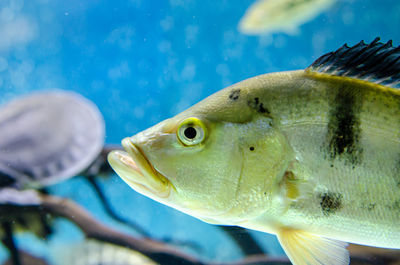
375	62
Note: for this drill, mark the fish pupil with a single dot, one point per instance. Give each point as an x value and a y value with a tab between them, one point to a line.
190	132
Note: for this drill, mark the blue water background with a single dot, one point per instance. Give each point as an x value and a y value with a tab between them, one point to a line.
144	61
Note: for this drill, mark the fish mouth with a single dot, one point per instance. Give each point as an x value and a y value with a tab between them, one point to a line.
136	170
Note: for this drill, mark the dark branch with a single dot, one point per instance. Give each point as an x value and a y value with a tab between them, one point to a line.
108	208
156	251
27	259
244	240
8	241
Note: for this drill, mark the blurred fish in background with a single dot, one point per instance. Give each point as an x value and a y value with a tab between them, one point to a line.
272	16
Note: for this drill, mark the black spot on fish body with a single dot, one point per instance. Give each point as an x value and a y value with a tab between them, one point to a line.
262	109
330	202
371	206
344	126
234	95
395	206
344	138
397	174
251	148
258	106
368	206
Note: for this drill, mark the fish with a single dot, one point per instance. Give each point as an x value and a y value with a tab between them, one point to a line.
311	156
272	16
43	138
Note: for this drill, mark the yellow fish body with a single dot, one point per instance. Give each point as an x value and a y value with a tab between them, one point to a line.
312	156
271	16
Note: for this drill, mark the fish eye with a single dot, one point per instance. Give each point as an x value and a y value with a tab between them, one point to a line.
191	132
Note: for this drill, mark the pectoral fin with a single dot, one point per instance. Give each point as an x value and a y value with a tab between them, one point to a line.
304	248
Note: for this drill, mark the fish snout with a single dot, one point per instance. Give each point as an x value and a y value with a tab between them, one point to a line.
152	179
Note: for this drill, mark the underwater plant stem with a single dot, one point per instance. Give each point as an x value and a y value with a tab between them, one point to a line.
100	167
108	208
159	252
27	259
8	241
156	251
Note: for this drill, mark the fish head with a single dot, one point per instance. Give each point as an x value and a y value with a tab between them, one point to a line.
209	161
181	164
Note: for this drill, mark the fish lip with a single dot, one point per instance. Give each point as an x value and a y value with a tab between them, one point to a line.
140	170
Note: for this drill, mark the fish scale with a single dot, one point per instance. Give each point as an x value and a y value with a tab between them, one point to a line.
310	149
